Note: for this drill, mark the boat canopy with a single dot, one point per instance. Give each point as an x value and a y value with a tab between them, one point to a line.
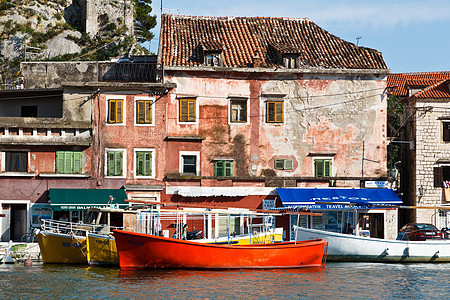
83	199
337	198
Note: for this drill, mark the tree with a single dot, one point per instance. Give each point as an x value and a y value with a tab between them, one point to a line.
144	22
394	112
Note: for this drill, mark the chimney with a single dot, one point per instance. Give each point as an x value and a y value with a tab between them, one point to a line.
257	61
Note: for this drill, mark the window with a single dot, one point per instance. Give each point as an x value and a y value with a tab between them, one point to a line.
283	164
69	162
187	110
446	131
144	161
274	111
322	167
16	161
114	163
223	168
144	111
115	111
441	175
291	61
189	164
238	111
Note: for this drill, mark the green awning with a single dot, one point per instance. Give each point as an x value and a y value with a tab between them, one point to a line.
82	199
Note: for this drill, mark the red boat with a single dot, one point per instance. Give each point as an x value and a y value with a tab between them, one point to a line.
144	251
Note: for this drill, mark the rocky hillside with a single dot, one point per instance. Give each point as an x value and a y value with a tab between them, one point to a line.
54	30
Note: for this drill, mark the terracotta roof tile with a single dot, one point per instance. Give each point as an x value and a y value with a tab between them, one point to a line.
184	38
433	84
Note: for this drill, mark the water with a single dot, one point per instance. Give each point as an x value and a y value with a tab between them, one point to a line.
336	281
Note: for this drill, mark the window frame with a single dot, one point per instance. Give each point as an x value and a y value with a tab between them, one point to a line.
446	132
323	159
108	109
285	162
124	162
230	111
152	111
152	163
179	107
5	165
72	154
189	153
226	162
275	121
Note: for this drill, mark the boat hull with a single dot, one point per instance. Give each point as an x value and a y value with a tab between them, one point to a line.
101	250
141	251
60	248
344	247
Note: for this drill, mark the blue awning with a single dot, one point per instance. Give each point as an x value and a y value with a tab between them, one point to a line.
337	198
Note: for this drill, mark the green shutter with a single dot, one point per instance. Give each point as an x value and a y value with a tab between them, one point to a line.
110	164
228	168
68	162
77	162
148	163
59	161
119	163
218	168
318	167
327	170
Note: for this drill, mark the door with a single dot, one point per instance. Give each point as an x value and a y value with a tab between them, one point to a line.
374	223
18	223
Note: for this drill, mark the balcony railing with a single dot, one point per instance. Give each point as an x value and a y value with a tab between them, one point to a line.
129	72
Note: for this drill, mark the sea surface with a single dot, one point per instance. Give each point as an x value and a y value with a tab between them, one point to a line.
335	281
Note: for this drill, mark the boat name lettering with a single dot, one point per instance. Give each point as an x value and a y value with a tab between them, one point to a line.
106	242
136	243
69	244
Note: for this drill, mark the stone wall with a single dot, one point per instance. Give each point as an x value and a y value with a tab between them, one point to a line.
430	151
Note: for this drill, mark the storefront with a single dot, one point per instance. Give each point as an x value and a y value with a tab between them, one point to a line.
72	204
370	212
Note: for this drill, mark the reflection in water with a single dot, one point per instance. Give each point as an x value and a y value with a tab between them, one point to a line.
337	280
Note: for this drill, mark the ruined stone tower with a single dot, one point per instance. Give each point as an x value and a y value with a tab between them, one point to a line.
119	12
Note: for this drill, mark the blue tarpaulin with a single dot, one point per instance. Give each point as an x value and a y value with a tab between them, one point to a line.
337	198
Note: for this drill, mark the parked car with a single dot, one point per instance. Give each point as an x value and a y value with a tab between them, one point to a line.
419	232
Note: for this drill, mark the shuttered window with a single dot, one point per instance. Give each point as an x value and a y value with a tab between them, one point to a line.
446	131
223	168
16	161
283	164
115	163
144	163
187	110
115	111
274	111
144	111
322	167
69	162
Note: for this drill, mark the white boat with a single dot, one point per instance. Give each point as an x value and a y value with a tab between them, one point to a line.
347	247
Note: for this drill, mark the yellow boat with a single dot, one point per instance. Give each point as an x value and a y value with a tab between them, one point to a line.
102	249
65	248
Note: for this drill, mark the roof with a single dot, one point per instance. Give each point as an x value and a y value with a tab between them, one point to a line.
431	84
240	39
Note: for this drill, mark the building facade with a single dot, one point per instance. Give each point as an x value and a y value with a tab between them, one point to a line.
425	144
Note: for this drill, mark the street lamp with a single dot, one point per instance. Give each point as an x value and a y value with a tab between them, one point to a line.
421	192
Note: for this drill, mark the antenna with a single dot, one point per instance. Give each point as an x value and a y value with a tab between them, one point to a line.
357	40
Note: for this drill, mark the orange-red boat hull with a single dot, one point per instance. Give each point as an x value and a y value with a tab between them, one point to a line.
140	251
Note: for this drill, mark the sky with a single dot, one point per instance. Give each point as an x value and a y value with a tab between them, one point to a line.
413	35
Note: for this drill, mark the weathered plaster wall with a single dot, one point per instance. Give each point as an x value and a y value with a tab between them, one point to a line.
323	115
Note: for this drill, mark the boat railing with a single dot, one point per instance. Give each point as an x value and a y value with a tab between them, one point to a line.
79	229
